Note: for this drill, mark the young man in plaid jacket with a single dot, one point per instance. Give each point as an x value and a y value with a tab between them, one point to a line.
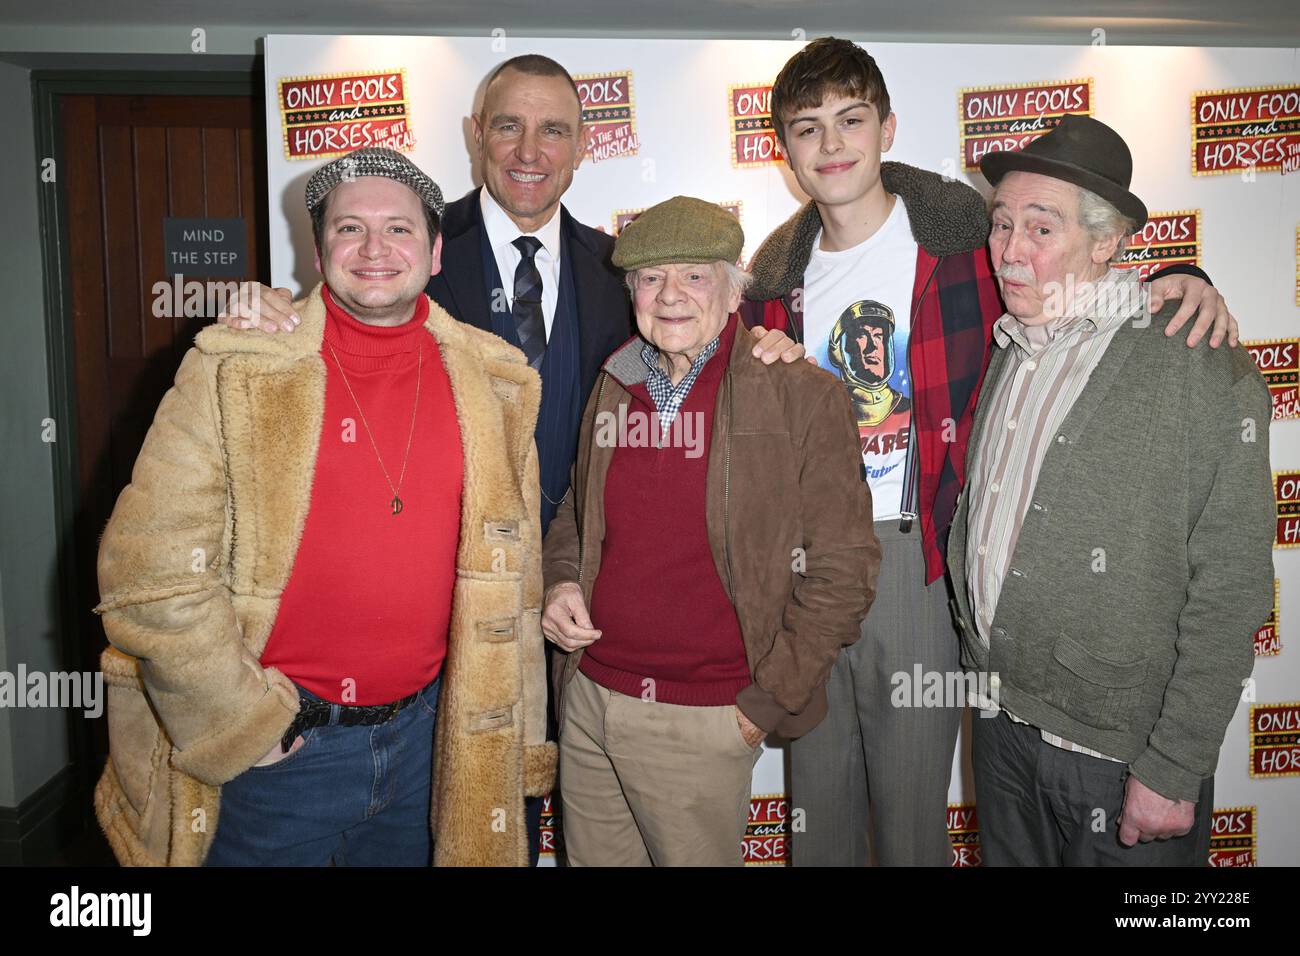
898	299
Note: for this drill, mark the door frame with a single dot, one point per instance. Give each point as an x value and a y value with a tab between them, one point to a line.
48	86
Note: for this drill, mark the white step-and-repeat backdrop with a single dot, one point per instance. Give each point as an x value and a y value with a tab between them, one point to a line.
1216	140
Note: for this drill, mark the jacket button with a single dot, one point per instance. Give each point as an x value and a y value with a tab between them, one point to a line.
1061	439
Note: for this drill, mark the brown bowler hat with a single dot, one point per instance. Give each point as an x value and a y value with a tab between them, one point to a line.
1083	151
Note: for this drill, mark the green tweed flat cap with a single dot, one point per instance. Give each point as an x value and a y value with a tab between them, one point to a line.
681	229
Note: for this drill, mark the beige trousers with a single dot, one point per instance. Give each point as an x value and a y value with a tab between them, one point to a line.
651	784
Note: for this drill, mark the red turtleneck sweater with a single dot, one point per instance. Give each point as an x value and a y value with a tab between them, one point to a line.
364	617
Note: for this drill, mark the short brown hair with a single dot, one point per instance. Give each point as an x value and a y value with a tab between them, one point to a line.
827	67
534	64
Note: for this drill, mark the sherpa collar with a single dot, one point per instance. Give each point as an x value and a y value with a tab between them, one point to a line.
947	217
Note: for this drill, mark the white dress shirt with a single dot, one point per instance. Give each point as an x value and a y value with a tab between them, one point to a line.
502	232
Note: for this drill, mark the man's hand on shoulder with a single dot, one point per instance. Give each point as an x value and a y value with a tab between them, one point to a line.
1199	299
773	344
260	307
1148	816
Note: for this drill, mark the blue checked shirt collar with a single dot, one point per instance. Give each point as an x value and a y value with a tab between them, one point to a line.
668	398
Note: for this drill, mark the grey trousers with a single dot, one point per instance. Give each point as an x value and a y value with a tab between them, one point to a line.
1039	805
871	770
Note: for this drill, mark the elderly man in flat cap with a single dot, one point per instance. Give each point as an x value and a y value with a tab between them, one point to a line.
328	539
1111	554
696	621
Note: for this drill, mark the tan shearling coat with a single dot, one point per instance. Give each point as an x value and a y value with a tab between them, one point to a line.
199	549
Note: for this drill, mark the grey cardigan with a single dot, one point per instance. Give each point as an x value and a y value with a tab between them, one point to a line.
1154	477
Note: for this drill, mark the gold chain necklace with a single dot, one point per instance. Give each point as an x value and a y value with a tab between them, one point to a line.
396	503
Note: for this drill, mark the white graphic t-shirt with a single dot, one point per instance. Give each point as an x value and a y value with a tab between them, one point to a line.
857	309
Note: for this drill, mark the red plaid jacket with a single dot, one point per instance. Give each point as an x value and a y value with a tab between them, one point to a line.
955	302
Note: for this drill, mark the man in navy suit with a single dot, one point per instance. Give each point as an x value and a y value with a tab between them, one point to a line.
515	262
513	256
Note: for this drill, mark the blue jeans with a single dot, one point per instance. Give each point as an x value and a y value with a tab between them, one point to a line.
349	796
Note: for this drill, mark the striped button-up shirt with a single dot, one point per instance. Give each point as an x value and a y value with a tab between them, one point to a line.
1045	373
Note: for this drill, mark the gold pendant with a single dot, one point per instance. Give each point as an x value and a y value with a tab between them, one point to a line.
397	505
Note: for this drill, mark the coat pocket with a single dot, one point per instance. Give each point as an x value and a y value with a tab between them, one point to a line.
1094	691
136	744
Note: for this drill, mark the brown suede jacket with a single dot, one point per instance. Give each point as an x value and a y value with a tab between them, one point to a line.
796	551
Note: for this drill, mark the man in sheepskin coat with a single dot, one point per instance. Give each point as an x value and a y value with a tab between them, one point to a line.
328	539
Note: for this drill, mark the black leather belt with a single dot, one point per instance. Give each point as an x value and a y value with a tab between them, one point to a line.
316	713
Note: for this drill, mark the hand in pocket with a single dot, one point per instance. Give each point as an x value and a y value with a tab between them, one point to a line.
275	754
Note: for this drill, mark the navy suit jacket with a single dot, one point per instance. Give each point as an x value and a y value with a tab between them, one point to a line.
604	309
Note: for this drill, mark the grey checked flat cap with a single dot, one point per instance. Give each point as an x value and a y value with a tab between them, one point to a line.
374	161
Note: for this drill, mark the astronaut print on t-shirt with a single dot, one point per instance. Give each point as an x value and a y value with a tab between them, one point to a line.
869	354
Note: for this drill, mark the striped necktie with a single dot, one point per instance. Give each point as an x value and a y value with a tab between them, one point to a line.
527	304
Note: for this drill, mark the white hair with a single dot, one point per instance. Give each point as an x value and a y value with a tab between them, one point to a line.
1103	220
737	277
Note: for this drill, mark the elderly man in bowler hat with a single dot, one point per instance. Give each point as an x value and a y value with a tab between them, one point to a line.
695	623
1111	553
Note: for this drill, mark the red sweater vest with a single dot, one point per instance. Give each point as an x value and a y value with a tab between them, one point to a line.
364	617
669	631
